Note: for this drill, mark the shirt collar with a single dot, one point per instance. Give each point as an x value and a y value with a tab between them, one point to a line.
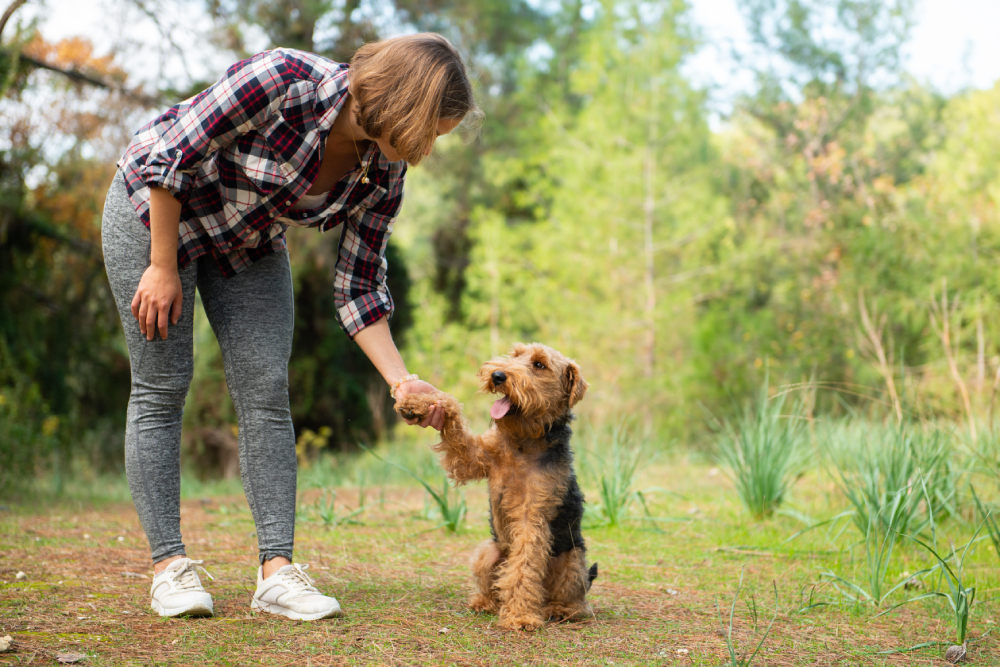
331	93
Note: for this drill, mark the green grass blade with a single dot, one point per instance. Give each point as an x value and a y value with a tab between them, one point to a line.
769	625
933	594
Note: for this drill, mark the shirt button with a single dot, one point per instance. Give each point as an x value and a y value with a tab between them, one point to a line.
288	203
178	153
230	244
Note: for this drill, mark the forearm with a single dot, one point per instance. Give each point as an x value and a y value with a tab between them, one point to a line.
164	228
376	342
159	297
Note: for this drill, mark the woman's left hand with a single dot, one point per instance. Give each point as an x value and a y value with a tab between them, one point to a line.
435	418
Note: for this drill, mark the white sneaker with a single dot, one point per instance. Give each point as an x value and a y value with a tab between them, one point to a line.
290	592
177	591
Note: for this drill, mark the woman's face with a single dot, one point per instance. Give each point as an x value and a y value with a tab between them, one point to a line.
390	153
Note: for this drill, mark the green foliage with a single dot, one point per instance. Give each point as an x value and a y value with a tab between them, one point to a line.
737	659
989	521
896	477
829	46
597	211
452	508
447	504
959	596
22	422
331	516
60	354
617	454
763	451
881	535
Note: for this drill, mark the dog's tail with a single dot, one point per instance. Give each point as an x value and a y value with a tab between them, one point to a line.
591	575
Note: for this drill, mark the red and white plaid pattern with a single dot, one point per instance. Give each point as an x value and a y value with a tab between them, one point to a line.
239	154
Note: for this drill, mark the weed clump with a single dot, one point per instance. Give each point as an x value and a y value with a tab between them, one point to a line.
762	450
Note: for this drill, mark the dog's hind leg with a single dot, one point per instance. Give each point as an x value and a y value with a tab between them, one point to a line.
485	561
566	585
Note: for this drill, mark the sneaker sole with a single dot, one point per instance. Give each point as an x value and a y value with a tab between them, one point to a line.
196	610
278	610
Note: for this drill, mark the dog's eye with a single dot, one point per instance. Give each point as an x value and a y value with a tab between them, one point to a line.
539	365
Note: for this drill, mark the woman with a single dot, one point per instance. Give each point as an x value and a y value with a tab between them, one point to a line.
202	198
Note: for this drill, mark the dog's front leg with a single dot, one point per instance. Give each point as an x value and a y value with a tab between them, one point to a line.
521	584
464	456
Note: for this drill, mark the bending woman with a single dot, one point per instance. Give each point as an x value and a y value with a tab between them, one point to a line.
202	198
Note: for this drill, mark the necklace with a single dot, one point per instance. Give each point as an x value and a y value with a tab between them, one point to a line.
364	167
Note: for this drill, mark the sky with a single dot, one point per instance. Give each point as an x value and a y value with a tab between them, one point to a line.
954	44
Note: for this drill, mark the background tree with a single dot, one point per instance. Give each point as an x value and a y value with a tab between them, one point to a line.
64	379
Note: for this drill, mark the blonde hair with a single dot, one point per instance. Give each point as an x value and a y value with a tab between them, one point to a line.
405	85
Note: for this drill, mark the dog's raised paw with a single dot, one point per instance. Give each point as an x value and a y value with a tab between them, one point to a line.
414	406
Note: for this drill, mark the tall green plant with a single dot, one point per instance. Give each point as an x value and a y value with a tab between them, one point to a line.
332	516
762	450
888	472
737	659
992	529
618	456
452	508
959	595
881	535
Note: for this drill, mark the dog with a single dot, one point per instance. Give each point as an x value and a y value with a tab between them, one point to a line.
534	567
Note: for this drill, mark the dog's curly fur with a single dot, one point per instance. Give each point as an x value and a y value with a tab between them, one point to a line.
534	568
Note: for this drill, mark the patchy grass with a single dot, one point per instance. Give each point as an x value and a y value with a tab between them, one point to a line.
403	584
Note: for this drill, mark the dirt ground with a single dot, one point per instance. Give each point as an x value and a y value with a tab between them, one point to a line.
403	584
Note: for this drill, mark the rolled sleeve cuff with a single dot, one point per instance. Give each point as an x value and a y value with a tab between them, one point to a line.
166	176
359	313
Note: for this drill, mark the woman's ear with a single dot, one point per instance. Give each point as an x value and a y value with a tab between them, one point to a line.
575	385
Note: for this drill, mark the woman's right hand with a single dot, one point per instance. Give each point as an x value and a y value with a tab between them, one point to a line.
158	300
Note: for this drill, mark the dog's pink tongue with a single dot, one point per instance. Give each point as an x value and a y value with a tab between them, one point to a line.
500	408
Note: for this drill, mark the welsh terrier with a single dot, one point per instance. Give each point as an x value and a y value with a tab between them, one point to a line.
534	567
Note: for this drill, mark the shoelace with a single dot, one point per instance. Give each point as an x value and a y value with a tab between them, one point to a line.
297	582
186	578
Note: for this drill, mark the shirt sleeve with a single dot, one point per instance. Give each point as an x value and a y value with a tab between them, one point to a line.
361	295
245	98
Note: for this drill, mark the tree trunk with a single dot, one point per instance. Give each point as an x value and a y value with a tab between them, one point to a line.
649	209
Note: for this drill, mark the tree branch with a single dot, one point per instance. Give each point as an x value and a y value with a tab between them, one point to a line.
9	12
82	77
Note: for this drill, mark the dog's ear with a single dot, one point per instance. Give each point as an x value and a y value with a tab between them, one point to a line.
575	385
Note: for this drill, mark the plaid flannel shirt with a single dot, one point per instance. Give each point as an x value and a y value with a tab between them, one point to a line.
239	154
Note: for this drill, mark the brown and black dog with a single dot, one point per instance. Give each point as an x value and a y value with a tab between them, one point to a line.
534	568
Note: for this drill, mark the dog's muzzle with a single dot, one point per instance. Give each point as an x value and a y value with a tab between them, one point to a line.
498	377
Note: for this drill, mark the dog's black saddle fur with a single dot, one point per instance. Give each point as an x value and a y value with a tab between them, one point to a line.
565	527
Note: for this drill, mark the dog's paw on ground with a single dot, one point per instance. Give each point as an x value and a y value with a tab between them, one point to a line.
529	623
559	613
483	605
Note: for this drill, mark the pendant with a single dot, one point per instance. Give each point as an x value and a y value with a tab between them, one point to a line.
365	180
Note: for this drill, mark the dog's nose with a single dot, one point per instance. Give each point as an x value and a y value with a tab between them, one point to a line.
499	377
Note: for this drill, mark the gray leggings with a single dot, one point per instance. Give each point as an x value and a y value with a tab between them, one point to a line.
252	316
